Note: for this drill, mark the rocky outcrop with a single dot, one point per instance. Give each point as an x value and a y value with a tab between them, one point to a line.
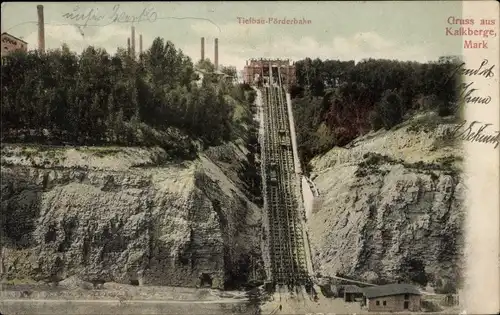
123	215
391	206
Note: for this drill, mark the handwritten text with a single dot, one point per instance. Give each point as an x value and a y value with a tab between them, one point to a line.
476	132
94	17
468	93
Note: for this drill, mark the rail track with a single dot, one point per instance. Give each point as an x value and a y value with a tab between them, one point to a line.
288	254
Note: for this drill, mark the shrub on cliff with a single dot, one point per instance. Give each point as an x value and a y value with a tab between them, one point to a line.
445	287
251	97
375	120
389	109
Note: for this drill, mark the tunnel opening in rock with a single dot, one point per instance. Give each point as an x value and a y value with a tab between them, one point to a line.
134	282
237	273
98	283
205	280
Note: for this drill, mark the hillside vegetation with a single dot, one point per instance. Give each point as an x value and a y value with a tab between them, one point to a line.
338	101
95	98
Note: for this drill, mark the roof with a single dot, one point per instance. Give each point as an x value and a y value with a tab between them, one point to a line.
352	289
390	289
203	71
17	38
218	72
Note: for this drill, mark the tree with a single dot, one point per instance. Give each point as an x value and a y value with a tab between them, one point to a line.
324	137
251	97
375	120
95	97
389	109
370	94
229	70
206	65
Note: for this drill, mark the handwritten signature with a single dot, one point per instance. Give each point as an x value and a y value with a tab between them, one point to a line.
473	134
117	15
93	15
480	71
467	91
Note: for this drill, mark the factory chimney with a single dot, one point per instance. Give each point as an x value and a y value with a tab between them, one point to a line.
216	57
140	44
132	39
128	46
41	29
203	48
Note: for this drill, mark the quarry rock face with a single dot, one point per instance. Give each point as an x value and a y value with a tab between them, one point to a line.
122	217
391	208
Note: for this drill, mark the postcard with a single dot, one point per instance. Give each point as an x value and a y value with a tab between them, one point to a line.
329	157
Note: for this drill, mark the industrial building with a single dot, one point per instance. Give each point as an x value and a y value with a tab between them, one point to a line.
131	44
11	43
216	52
41	28
258	69
397	297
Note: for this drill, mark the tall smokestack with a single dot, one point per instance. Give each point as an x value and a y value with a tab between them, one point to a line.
41	29
203	48
140	44
216	57
128	46
133	41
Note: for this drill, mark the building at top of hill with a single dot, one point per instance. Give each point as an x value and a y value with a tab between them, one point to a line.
11	43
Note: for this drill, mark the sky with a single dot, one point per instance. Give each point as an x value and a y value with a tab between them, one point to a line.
406	30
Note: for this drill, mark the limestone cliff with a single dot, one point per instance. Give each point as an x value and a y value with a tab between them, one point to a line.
124	215
391	206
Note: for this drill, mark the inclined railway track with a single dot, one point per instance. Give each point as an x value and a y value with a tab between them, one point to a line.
288	260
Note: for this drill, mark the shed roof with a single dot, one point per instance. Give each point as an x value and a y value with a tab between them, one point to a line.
352	289
390	289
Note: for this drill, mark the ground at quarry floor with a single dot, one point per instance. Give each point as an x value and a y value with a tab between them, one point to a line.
120	292
115	299
116	307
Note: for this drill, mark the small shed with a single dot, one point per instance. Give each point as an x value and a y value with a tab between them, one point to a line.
397	297
352	293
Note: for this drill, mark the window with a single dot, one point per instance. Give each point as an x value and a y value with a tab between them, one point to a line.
384	303
407	304
407	296
377	303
